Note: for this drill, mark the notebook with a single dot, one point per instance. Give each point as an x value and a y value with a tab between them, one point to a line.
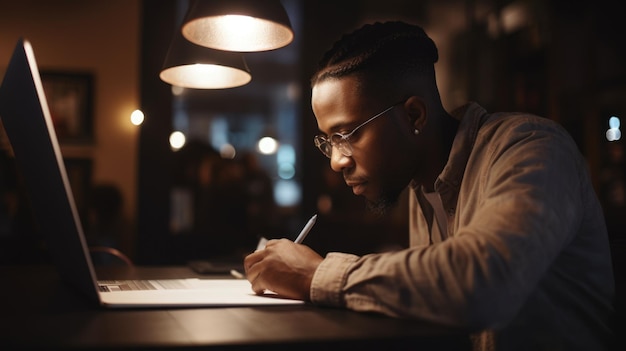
28	124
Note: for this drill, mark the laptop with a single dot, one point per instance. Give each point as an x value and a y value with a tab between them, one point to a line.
28	124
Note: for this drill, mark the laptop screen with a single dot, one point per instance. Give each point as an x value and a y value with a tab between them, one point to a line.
26	119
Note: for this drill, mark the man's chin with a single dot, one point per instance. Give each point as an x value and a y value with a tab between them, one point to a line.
382	205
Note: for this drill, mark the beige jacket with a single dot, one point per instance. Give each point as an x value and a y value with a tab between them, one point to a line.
522	259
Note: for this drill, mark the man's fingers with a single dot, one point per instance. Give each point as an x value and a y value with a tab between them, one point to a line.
257	286
252	259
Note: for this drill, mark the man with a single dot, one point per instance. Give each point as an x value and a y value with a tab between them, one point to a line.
508	239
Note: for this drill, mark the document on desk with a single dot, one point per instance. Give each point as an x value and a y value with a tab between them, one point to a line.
192	293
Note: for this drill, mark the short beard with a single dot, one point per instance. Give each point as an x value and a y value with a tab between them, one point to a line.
383	204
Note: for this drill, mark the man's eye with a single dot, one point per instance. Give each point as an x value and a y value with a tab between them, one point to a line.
339	136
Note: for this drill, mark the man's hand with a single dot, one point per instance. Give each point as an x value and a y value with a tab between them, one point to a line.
283	267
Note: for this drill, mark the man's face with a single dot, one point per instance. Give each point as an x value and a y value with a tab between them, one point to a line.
383	157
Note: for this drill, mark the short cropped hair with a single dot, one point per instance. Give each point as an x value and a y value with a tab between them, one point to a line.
391	48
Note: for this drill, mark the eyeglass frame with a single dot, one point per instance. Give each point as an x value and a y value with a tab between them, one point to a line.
346	148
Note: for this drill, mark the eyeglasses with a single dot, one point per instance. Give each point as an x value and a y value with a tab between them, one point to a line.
341	141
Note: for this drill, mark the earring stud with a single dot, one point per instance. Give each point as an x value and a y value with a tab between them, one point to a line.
416	131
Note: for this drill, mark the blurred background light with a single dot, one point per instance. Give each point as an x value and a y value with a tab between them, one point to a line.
613	133
267	145
287	193
177	140
136	117
228	151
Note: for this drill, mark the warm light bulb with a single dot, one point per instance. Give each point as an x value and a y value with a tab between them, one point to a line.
245	25
136	117
267	145
177	140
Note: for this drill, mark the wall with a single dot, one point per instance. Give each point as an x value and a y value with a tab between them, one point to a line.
97	37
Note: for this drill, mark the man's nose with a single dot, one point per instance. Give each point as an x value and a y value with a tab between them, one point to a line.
339	161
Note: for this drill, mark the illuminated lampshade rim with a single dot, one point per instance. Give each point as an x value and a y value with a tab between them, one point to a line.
185	77
283	36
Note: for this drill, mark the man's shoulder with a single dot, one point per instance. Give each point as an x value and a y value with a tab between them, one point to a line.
509	119
520	122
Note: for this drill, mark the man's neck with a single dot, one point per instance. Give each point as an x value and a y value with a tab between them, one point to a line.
442	140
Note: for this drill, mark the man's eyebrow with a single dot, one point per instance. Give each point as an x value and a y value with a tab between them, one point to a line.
347	126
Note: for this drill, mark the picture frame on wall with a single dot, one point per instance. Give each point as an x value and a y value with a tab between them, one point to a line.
70	100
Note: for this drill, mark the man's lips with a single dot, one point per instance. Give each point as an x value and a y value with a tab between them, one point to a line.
358	187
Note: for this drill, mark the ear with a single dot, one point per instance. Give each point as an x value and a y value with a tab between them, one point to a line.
417	111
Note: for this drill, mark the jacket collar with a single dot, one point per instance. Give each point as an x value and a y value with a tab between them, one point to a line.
471	117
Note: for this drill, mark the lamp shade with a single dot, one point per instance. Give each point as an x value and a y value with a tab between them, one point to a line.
189	65
238	25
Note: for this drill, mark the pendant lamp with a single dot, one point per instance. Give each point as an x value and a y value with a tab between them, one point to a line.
189	65
238	25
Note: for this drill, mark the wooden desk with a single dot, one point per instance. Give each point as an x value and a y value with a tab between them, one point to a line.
37	310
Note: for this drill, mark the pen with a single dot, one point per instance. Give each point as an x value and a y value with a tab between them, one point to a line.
235	273
306	230
261	244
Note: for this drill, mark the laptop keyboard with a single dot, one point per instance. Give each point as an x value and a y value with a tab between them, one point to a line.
129	285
